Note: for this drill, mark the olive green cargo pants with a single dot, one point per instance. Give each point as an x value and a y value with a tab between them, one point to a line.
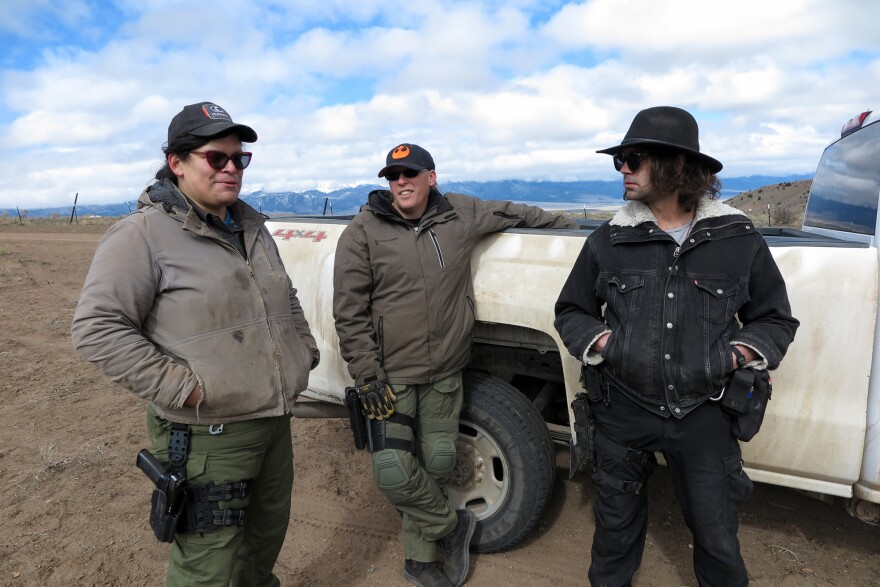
416	483
259	450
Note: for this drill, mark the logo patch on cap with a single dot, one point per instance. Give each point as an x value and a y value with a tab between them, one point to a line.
400	152
214	112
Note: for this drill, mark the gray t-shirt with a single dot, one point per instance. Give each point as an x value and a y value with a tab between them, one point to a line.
680	233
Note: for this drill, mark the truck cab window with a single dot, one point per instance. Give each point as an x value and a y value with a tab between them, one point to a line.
846	187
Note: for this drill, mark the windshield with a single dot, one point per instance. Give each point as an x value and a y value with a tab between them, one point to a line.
846	188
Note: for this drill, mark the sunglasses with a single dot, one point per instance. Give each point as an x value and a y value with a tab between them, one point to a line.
218	159
633	160
407	173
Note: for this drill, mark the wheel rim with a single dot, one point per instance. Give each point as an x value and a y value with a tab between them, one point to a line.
481	479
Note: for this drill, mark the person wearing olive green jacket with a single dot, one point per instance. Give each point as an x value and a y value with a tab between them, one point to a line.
404	308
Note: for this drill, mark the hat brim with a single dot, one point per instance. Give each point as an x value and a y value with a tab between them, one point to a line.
713	164
212	129
401	164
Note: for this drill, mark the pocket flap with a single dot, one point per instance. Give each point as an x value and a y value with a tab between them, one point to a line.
627	283
717	288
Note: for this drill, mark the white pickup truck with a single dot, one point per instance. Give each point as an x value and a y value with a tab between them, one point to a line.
821	433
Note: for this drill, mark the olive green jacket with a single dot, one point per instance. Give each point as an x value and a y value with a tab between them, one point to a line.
403	297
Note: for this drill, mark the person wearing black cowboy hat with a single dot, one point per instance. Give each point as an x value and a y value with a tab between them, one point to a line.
663	304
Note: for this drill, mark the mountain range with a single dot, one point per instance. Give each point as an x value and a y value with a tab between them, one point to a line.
555	195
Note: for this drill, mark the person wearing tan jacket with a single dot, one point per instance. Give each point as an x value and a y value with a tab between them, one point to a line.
187	305
404	308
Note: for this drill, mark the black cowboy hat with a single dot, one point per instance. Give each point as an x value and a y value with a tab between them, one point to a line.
668	127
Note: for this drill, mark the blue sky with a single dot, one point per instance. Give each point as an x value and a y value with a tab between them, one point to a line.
506	89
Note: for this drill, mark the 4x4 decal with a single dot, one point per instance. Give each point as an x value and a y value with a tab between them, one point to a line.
287	234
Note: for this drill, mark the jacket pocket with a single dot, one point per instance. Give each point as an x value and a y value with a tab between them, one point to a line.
718	299
623	296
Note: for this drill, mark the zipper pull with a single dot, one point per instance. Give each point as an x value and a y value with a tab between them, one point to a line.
676	252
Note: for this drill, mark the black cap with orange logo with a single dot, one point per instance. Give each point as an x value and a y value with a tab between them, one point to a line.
409	156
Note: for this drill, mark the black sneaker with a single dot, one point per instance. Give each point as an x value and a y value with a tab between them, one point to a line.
424	574
456	545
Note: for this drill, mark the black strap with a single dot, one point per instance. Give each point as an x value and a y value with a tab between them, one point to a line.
619	484
178	447
378	440
630	455
403	420
400	444
228	491
229	517
397	443
202	515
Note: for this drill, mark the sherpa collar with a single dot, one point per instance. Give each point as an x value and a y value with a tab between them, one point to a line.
635	213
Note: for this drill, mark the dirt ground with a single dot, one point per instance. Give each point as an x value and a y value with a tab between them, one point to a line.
74	508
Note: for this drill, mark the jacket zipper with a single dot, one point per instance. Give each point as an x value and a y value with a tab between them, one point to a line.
437	246
381	340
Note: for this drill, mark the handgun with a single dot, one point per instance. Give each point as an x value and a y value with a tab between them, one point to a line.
169	496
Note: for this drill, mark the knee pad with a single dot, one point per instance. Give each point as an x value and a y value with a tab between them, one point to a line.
441	458
389	470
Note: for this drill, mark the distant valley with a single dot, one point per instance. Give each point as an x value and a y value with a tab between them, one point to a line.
576	194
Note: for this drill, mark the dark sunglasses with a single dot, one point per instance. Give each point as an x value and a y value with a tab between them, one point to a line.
633	160
407	173
218	159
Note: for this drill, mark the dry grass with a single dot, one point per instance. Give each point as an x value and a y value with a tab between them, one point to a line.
780	205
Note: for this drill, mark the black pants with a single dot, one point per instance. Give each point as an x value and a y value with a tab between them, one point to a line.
704	461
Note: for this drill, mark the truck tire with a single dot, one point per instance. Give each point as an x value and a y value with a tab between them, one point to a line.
505	462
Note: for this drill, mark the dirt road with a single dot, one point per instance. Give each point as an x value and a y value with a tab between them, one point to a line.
73	507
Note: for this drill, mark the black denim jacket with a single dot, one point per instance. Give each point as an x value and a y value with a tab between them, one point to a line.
674	312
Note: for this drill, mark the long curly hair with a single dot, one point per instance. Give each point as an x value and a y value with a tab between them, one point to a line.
693	181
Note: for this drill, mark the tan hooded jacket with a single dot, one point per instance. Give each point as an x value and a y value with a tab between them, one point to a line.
168	303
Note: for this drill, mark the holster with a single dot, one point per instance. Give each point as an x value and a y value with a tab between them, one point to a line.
356	417
168	502
178	508
164	518
583	450
594	383
595	386
746	397
370	434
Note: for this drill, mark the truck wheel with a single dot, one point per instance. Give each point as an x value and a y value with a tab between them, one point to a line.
505	463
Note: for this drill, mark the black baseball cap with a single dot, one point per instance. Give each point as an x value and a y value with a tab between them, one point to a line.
206	119
407	155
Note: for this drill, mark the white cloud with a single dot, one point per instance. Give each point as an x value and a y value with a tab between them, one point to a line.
495	89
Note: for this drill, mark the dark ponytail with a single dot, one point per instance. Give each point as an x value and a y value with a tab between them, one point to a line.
181	146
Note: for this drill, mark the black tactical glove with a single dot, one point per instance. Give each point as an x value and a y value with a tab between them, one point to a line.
377	398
